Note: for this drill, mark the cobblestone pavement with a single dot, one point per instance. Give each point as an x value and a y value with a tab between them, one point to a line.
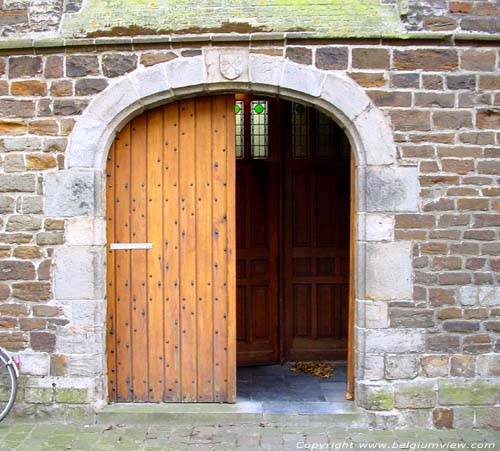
243	437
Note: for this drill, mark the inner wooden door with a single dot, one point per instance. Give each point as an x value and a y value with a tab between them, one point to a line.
171	294
316	239
293	221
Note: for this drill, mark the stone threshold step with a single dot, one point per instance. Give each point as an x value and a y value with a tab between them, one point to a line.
288	413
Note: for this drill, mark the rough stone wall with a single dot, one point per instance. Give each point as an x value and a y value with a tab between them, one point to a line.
18	17
452	16
432	359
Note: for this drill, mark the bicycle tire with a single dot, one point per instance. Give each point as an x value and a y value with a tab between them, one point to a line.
8	374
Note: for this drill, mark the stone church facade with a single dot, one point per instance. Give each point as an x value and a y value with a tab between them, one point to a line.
414	85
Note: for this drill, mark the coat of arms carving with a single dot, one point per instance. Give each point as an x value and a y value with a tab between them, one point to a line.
231	66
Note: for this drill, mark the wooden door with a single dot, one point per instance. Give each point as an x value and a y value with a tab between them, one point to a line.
316	241
171	308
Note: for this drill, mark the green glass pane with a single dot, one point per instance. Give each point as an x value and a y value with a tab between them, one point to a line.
259	108
237	108
300	108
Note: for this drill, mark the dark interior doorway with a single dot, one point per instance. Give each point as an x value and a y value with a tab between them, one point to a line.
292	233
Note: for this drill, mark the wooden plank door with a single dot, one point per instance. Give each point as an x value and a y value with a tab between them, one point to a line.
316	246
171	308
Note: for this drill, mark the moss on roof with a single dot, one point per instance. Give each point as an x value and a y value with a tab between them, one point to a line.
325	18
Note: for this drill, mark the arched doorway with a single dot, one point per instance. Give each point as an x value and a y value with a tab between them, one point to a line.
177	247
78	190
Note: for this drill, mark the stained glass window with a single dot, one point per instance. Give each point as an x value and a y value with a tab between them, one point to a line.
325	142
239	112
300	121
259	128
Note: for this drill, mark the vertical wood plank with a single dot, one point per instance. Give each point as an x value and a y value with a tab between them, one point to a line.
122	259
187	194
155	255
219	234
352	287
204	248
171	252
111	311
138	258
231	248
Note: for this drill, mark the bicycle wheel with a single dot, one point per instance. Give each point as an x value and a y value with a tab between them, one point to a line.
8	385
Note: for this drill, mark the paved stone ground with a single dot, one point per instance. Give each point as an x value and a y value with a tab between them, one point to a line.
242	437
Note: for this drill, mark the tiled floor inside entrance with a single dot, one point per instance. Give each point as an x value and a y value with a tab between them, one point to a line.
276	389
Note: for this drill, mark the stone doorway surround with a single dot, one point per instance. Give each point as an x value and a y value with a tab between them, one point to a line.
384	187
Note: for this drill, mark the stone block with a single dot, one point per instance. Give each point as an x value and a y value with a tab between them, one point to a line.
462	365
32	205
332	58
399	366
489	296
7	204
376	397
186	72
72	395
414	395
463	417
42	341
114	103
14	163
151	81
488	417
369	367
302	79
152	58
71	193
85	312
394	341
23	222
389	271
392	189
411	317
219	60
116	64
82	65
375	227
38	395
86	231
90	86
79	273
25	183
89	134
32	291
434	366
16	270
488	365
372	314
265	71
442	418
49	238
80	340
58	365
86	365
467	392
34	363
344	95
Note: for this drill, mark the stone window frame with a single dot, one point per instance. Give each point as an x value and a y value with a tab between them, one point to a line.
384	188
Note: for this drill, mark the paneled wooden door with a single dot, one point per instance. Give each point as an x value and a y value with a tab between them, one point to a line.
171	308
316	241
